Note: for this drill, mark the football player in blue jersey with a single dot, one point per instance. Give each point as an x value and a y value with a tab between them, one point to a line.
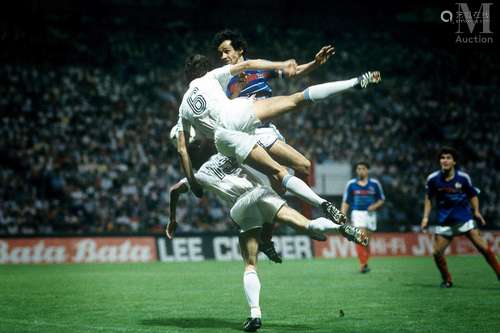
255	83
454	195
364	196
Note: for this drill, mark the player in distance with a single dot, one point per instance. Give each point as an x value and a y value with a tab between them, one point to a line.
364	196
454	195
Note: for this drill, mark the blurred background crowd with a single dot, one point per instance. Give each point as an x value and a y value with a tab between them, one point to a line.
87	105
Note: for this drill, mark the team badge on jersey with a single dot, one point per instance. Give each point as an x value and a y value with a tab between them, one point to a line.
458	185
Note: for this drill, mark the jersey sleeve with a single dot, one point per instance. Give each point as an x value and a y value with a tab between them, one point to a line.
430	188
347	197
206	176
221	74
185	181
379	192
468	188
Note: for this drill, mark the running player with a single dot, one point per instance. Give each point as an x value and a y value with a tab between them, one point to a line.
232	122
454	195
364	196
232	48
253	205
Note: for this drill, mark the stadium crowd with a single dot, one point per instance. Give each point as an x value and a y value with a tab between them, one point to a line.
85	148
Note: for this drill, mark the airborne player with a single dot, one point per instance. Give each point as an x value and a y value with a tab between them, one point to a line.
231	123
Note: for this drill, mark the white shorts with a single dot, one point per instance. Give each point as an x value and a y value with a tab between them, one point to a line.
256	207
364	219
239	116
455	230
268	135
234	144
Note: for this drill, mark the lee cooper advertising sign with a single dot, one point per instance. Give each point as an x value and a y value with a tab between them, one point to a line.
226	248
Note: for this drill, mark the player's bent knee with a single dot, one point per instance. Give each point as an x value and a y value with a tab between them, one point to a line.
303	168
281	173
278	174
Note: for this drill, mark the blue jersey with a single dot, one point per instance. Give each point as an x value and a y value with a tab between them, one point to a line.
252	83
361	197
452	197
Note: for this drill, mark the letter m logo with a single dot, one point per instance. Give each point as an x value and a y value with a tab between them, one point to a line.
464	15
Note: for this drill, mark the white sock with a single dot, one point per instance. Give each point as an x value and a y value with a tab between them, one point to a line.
320	91
251	285
299	188
322	224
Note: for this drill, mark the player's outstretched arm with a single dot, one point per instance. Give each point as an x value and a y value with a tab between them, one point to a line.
319	59
186	164
474	201
175	192
289	67
427	210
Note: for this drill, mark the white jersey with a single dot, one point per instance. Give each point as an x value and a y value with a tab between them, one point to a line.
204	101
227	179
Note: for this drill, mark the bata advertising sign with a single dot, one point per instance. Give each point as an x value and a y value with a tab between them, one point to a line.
77	250
400	244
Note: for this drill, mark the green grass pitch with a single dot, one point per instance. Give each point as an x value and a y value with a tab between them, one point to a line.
399	295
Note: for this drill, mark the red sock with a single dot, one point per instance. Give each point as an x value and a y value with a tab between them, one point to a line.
362	254
443	267
491	258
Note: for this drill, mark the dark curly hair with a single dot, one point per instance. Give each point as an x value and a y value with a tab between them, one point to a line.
196	66
236	38
362	163
448	150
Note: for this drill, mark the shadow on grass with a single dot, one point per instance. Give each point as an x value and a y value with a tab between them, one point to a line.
220	323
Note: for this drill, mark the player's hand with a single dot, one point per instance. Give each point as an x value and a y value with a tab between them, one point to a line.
480	218
170	230
324	54
290	68
424	224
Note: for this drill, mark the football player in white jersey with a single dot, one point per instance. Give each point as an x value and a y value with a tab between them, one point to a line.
253	204
232	122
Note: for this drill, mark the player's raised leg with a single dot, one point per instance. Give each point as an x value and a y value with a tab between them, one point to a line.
270	108
317	227
483	247
285	154
280	178
440	245
249	248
